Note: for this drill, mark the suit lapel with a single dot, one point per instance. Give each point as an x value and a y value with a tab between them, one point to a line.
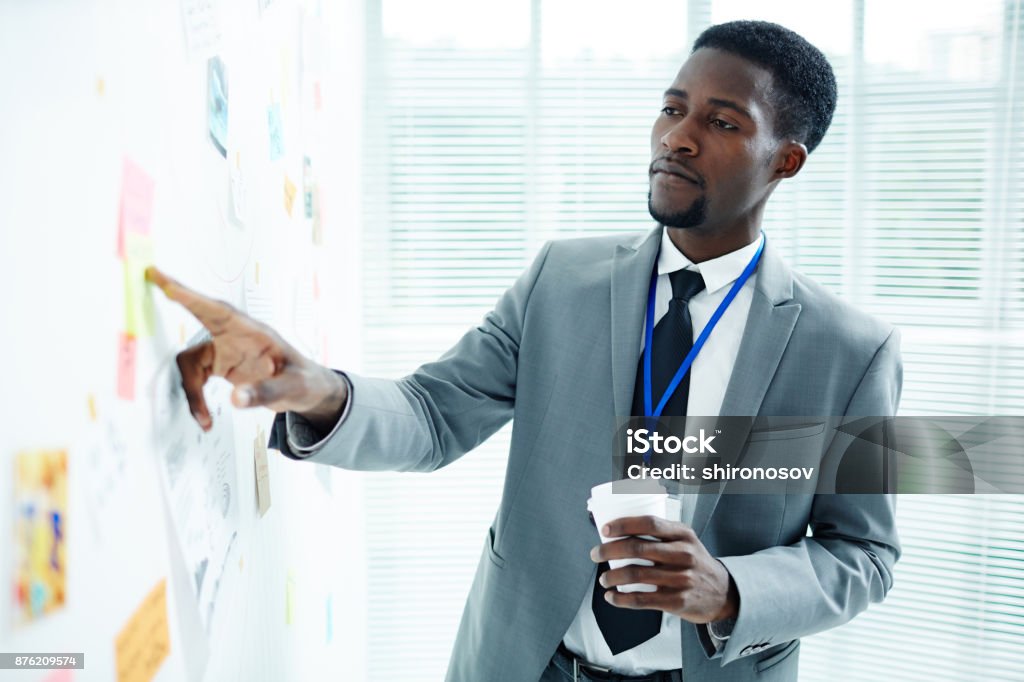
773	315
631	276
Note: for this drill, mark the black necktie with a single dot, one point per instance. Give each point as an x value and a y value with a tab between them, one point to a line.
624	629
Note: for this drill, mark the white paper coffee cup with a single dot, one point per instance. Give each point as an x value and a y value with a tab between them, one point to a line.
607	506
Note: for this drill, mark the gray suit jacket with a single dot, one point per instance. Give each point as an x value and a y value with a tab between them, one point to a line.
541	357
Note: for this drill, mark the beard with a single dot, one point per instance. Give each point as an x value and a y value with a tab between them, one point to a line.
693	216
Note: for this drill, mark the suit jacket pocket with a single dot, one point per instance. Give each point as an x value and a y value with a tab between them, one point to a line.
779	656
495	558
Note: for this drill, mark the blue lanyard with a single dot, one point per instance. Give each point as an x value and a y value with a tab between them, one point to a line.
697	345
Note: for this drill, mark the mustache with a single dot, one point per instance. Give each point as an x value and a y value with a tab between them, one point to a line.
676	166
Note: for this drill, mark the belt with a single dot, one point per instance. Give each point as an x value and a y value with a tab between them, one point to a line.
584	671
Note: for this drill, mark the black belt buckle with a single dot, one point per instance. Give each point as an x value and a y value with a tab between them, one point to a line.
603	673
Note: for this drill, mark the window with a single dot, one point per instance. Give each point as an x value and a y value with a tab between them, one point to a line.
491	132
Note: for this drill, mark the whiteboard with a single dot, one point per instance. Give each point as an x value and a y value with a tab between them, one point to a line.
100	99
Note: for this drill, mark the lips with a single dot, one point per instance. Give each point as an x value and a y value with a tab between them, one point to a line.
677	170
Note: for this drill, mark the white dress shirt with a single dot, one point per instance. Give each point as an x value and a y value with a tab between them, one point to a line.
709	377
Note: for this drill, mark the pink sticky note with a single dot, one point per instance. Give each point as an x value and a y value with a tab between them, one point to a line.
63	675
126	367
136	215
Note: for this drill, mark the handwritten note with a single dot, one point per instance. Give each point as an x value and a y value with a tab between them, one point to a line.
276	132
202	27
136	212
126	367
199	482
144	642
289	194
262	472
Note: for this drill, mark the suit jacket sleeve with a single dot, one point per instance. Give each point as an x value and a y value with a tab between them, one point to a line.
825	580
445	408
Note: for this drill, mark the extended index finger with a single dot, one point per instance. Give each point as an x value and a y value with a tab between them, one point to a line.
211	313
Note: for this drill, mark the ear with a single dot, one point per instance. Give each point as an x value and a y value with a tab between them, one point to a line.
790	158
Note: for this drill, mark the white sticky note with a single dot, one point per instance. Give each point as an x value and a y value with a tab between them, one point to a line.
202	27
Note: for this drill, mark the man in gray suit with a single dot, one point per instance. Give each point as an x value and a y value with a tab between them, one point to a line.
739	578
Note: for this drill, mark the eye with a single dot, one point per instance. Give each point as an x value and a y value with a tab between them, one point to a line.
669	110
723	124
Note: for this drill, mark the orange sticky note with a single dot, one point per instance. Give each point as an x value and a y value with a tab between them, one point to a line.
144	641
136	213
289	194
126	367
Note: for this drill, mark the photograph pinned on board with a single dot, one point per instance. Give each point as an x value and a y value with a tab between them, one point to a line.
217	104
40	527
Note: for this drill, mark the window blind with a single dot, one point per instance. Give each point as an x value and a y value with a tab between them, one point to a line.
483	143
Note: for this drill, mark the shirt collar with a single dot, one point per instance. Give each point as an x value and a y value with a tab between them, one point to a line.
717	272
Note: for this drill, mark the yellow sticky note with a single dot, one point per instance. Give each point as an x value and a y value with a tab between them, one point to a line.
144	641
289	194
92	407
138	303
289	599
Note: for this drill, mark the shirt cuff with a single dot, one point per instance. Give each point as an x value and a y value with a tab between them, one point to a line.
303	438
720	630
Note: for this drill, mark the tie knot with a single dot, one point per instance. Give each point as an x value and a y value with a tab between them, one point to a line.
686	284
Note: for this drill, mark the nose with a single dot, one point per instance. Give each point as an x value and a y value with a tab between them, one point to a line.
679	138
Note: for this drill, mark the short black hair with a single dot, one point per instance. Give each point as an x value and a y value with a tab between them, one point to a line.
804	92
